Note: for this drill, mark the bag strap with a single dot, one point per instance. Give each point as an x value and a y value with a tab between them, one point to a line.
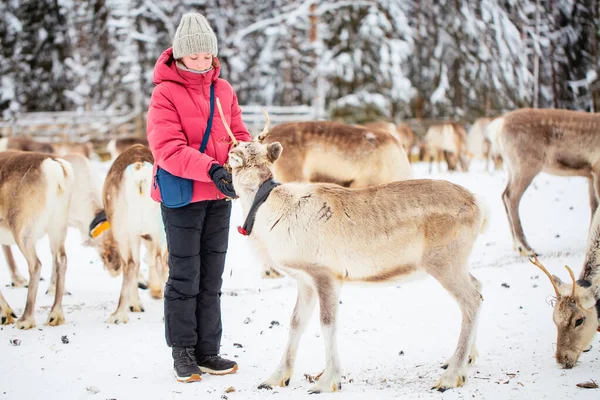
210	118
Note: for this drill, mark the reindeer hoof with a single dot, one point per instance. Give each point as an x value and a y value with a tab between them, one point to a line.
118	318
525	252
8	319
25	324
156	293
142	285
137	308
19	282
270	273
451	379
265	386
55	319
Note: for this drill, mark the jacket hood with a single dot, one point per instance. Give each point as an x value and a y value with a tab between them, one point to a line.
167	70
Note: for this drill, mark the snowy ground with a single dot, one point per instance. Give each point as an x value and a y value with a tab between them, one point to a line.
392	339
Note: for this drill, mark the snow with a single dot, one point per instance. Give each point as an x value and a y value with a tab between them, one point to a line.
376	323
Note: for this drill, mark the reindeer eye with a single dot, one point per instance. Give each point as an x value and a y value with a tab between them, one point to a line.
579	321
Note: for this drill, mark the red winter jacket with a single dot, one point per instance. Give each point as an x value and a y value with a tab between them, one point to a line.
177	118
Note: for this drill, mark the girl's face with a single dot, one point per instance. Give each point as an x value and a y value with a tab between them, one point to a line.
198	61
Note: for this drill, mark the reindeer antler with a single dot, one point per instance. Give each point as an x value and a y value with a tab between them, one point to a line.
572	278
535	262
233	139
265	132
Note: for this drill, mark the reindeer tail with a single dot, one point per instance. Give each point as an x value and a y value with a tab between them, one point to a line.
485	214
141	177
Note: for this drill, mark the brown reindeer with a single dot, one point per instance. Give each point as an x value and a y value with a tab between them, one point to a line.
85	205
476	138
117	146
66	147
25	144
325	235
492	147
448	140
135	219
350	156
35	192
323	151
558	142
402	132
577	306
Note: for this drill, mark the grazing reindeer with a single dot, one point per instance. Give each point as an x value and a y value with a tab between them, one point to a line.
134	219
117	146
402	132
85	205
324	151
25	144
447	139
35	191
577	307
324	235
558	142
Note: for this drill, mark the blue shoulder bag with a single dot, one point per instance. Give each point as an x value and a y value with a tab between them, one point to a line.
176	191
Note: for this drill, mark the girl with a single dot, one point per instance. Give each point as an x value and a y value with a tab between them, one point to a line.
197	233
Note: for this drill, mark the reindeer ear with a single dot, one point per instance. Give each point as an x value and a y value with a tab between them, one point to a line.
235	160
557	280
588	297
274	151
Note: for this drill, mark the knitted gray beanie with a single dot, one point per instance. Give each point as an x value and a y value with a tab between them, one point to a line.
194	35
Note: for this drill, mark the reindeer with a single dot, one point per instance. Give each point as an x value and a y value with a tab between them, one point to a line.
492	145
558	142
447	139
324	151
85	207
476	138
325	235
135	219
402	132
25	144
577	306
117	146
67	147
35	192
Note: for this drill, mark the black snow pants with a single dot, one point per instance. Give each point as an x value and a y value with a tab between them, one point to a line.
197	237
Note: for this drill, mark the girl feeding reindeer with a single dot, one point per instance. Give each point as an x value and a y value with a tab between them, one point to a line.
190	146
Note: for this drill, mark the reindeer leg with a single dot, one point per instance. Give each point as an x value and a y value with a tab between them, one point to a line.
27	247
305	304
129	278
15	277
7	315
59	268
328	289
594	190
461	286
517	184
156	274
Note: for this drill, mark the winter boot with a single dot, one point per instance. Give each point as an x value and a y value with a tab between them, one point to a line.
186	368
216	365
